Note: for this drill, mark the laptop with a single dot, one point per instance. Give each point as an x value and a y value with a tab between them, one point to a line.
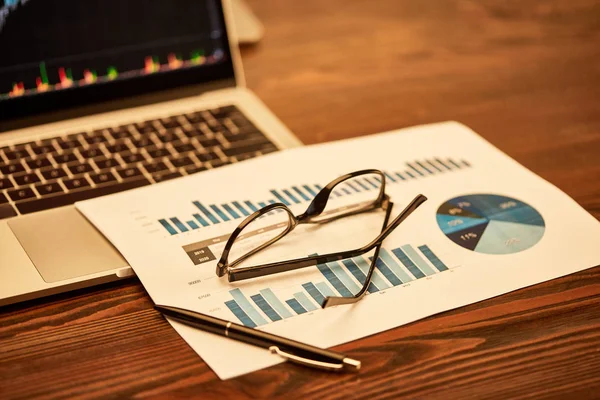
98	97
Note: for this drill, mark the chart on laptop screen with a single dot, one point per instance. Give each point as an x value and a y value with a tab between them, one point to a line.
51	45
482	232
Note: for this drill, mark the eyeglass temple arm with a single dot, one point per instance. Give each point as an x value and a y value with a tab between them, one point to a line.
331	301
241	273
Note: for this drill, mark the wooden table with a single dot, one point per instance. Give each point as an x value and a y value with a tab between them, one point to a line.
523	74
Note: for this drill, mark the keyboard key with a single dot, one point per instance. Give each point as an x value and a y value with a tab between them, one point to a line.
48	188
80	168
13	168
193	131
91	153
145	127
52	174
67	144
5	183
76	183
43	149
207	156
26	179
3	199
96	139
106	163
184	147
70	198
195	117
21	194
39	163
7	211
206	143
219	163
103	177
120	132
128	173
242	137
166	177
155	167
157	153
119	147
170	122
142	142
132	158
193	169
169	136
181	161
65	158
16	154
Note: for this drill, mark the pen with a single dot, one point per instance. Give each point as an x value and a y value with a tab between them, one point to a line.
291	350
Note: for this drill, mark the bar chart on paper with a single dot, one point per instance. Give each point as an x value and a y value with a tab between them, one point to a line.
212	214
394	267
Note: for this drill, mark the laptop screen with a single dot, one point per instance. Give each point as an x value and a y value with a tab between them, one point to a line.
56	54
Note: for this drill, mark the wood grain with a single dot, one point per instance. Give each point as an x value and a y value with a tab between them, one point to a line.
523	74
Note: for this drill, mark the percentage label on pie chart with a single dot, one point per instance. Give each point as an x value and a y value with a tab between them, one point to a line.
491	224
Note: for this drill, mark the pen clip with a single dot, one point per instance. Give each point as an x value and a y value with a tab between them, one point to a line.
306	361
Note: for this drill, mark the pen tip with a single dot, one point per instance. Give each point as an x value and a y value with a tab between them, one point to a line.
350	362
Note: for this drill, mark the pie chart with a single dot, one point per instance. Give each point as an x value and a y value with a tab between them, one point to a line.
490	224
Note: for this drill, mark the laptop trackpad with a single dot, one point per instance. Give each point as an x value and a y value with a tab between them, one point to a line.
62	244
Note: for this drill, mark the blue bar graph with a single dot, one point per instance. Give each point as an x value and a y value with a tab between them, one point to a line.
304	301
400	176
434	166
200	219
394	266
314	292
325	289
420	164
280	197
220	213
275	303
444	164
235	209
168	226
265	307
179	225
304	197
414	169
346	280
231	211
251	205
390	177
298	309
333	279
248	308
309	190
408	263
291	196
433	258
193	225
240	314
242	209
417	259
376	279
359	275
389	275
205	211
451	161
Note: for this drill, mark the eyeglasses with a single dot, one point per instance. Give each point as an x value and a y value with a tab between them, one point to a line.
320	211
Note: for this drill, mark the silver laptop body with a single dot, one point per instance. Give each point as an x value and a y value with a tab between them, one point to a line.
183	96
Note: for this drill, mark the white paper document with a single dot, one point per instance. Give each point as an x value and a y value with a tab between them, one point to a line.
489	226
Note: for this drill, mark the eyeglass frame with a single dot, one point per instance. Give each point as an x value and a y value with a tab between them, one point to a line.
314	210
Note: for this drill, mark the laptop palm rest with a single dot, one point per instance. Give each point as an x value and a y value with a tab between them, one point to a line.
62	245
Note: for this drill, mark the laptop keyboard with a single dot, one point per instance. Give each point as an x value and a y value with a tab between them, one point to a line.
59	171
